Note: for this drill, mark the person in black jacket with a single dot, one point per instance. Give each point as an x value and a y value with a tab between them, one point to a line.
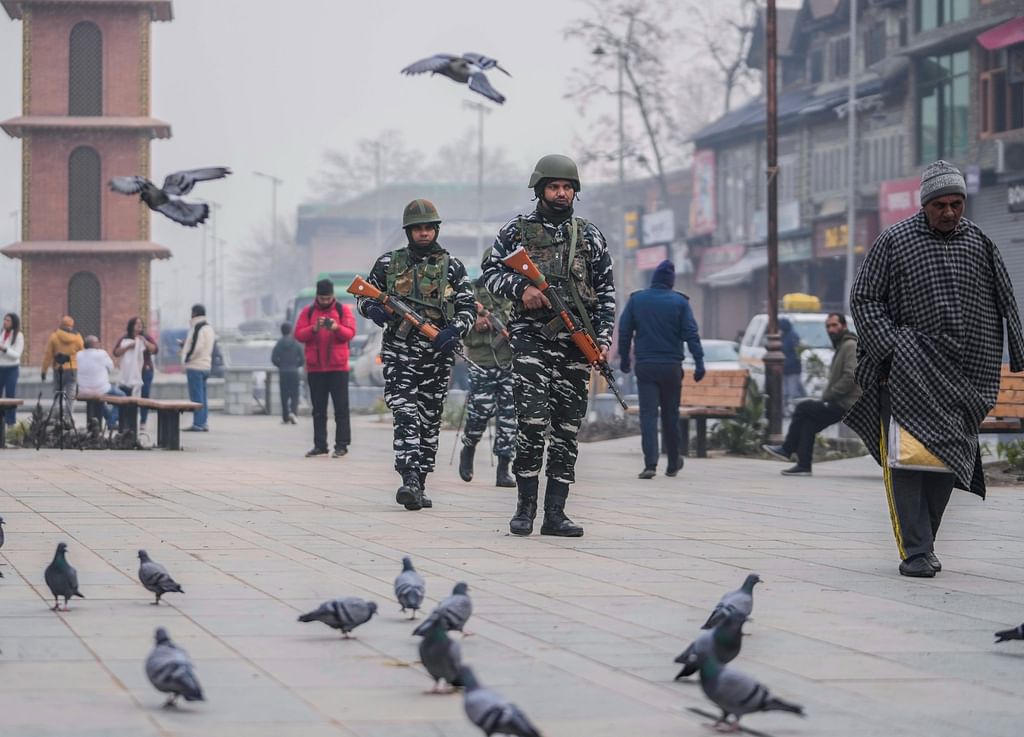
288	357
792	384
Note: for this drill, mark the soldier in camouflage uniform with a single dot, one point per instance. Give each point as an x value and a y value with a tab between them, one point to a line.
433	283
550	372
490	387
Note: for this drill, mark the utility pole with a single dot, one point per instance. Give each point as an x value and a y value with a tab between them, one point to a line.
773	357
378	176
481	111
851	165
214	215
275	182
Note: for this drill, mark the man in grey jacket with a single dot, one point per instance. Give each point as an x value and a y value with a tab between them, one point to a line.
289	356
812	416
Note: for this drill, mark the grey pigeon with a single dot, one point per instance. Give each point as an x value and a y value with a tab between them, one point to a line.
62	578
469	68
156	578
453	611
342	614
489	711
170	671
736	693
441	656
724	642
1017	633
164	199
741	600
410	587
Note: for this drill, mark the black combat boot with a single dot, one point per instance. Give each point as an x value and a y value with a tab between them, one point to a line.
503	477
410	495
526	509
424	499
555	521
466	462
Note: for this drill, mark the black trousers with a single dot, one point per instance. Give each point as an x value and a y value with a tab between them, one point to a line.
289	383
335	385
917	499
658	386
809	418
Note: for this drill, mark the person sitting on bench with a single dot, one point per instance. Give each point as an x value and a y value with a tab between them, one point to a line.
94	367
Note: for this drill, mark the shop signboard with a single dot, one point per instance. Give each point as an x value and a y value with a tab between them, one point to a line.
717	258
702	204
649	258
898	199
658	227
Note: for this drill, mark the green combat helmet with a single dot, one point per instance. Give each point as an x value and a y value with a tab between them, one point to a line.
420	212
555	166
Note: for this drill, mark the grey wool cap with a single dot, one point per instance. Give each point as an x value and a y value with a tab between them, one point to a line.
940	179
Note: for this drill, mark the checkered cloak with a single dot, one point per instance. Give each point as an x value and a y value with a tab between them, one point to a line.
929	313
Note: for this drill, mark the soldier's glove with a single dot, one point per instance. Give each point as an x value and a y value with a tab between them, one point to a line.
698	371
446	341
624	365
376	312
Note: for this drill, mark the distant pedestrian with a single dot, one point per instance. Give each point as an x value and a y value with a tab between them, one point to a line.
63	341
661	320
94	367
812	415
136	350
792	385
931	302
326	327
12	343
288	357
197	357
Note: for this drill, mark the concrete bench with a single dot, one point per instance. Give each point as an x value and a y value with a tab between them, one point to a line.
168	419
127	409
1009	410
6	404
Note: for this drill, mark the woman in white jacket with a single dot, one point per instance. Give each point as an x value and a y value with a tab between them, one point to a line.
12	343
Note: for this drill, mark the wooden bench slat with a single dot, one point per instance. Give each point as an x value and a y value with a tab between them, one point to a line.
181	405
9	403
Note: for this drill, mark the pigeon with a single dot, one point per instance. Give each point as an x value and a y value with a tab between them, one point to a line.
723	642
469	68
1017	633
409	587
741	600
62	579
489	711
342	614
441	656
164	200
736	693
170	670
454	611
156	578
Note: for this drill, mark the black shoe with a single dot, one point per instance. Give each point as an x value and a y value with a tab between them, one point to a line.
797	471
339	453
777	452
917	567
674	470
526	507
503	478
316	452
466	462
424	499
647	473
409	494
555	521
933	561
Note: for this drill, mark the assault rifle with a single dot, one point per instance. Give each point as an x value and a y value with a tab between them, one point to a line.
521	263
496	324
362	288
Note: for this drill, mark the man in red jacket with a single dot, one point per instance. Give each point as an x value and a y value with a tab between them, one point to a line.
326	327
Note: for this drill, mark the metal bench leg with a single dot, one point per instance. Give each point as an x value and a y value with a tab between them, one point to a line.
128	417
161	429
702	437
173	424
684	436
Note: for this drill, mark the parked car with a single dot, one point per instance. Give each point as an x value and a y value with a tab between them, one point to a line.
718	354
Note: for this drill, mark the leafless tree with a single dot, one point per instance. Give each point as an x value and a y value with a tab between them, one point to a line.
725	31
271	266
371	163
457	162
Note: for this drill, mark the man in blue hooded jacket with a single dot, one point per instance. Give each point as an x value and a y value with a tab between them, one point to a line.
662	320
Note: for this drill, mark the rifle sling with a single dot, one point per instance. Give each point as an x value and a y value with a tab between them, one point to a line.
573	291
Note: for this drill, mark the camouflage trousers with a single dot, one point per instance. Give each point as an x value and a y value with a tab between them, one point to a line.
491	395
415	386
551	392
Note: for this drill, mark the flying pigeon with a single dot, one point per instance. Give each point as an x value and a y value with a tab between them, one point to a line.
1017	633
156	578
469	68
62	578
342	614
441	656
453	611
489	711
736	693
741	600
170	670
409	587
165	200
723	642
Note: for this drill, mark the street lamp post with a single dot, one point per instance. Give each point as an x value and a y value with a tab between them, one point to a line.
481	111
851	144
773	357
275	182
620	194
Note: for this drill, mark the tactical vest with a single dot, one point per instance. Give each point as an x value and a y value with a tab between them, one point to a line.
551	255
423	286
480	346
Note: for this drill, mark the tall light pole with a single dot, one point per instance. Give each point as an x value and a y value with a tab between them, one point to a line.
481	111
851	165
378	175
773	357
620	195
214	214
275	182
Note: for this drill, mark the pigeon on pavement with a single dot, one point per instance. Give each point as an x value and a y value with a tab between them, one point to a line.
441	656
453	611
62	578
156	578
410	587
1017	633
724	641
489	711
165	200
736	693
170	670
469	68
342	614
741	600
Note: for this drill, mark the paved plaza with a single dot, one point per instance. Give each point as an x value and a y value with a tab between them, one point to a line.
580	633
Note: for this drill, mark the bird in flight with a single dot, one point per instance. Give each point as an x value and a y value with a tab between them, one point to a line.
468	68
165	199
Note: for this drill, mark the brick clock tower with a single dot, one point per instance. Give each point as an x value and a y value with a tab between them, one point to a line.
84	250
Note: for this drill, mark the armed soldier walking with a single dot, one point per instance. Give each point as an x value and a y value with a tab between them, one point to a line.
429	280
551	371
490	385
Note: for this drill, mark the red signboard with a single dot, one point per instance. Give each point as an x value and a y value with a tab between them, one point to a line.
898	199
649	258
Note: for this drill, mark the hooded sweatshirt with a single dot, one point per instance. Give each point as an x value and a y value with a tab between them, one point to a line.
661	320
62	341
